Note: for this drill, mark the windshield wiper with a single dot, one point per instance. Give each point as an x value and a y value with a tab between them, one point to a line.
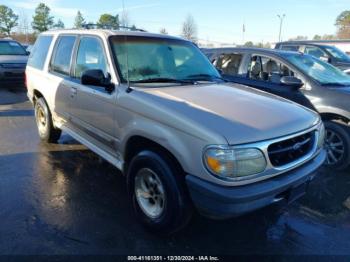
205	77
164	80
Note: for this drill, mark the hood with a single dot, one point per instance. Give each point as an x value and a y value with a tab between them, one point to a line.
240	114
13	59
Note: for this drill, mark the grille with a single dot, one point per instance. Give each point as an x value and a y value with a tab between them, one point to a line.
290	150
14	65
10	75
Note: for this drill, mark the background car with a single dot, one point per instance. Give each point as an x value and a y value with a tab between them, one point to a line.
300	78
27	47
13	61
327	53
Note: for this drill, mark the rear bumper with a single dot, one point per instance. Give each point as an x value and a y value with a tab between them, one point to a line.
221	202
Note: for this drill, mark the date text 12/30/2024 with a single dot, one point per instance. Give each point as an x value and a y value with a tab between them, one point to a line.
173	258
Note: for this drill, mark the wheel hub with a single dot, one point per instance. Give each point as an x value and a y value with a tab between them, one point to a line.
150	194
41	119
334	147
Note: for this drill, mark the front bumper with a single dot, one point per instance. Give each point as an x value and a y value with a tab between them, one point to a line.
222	202
12	77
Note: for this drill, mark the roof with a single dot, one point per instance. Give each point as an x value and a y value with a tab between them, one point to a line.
107	33
277	52
311	43
315	41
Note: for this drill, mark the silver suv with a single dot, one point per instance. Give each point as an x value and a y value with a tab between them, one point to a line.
155	107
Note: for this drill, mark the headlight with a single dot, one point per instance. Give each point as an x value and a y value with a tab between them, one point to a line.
228	162
321	136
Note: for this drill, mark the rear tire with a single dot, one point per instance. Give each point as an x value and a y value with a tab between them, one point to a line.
47	132
157	189
337	145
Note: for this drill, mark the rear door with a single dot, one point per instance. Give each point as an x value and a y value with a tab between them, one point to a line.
231	65
60	74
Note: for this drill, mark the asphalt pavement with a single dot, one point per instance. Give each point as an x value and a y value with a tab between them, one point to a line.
62	199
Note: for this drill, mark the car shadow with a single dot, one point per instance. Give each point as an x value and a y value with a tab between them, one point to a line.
79	203
16	113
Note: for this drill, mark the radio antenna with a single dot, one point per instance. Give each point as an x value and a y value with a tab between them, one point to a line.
129	89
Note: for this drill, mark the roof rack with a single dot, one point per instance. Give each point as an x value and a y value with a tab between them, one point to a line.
111	27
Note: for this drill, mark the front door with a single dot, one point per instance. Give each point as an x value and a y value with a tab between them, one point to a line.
265	73
93	108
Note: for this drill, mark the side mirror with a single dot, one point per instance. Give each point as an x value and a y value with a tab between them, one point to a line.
292	81
326	59
96	77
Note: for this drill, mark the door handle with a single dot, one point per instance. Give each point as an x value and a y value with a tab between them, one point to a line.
73	92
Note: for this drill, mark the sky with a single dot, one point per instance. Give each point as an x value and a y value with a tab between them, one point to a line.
217	21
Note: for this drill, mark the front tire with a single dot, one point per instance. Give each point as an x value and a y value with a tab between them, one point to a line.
337	145
47	132
157	190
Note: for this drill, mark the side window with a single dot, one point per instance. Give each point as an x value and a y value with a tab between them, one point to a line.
268	70
39	52
62	55
229	63
290	47
315	51
90	55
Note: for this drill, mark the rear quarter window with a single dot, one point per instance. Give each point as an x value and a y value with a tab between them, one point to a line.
40	51
290	47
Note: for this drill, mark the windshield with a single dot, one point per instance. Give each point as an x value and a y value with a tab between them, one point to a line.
11	48
338	54
149	59
322	72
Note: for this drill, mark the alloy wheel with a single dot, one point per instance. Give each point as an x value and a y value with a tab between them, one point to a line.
334	146
41	119
150	193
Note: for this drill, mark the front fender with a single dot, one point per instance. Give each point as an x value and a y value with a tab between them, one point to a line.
186	148
334	110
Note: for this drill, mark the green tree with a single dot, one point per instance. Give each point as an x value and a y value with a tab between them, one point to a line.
108	20
249	44
8	20
79	20
343	24
59	24
42	20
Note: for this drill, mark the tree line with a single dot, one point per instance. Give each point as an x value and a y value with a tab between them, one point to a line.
42	21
